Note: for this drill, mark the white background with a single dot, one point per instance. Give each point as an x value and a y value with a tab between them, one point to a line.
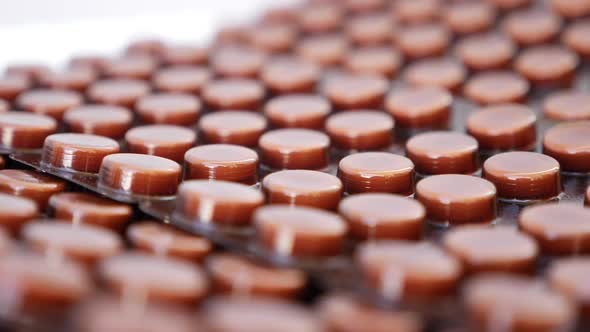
51	30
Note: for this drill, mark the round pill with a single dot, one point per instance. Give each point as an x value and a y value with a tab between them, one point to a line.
12	86
577	37
103	120
162	279
523	175
355	91
568	144
503	127
20	130
420	107
547	65
121	92
416	11
237	94
272	38
299	231
53	103
233	127
320	18
181	79
297	111
568	276
88	209
492	249
457	199
486	51
560	229
469	17
233	274
169	108
438	72
360	130
377	172
30	184
443	152
77	152
571	8
166	141
290	75
370	29
383	216
567	105
139	174
218	202
324	49
184	55
164	240
77	79
16	212
401	269
423	40
237	62
532	26
384	61
145	46
225	162
294	148
133	66
31	72
303	188
495	87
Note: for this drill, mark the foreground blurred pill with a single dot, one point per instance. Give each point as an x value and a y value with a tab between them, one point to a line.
53	103
30	184
120	92
16	212
20	130
569	276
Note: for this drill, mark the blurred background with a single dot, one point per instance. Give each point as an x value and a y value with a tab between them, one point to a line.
35	30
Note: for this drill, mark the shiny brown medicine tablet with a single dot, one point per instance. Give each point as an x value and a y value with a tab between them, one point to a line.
294	148
85	244
384	61
218	202
416	11
360	130
560	229
165	141
32	72
164	240
576	37
532	26
181	79
139	174
88	209
495	87
37	283
469	17
320	18
239	314
225	162
377	172
457	199
347	91
272	38
325	49
30	184
12	86
16	212
184	55
403	269
121	92
383	216
515	303
290	75
77	152
162	279
547	65
303	188
297	111
523	175
53	103
233	274
135	66
103	120
77	79
492	249
486	51
443	152
237	94
370	29
567	105
105	313
503	127
237	62
169	108
423	40
438	72
570	277
20	130
571	8
420	107
343	313
569	144
233	127
299	231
